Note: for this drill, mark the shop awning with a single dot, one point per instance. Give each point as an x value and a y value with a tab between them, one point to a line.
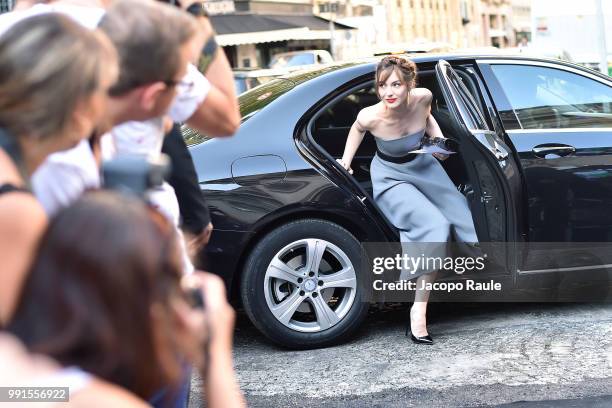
236	29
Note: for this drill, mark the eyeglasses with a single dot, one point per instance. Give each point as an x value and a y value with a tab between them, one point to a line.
181	86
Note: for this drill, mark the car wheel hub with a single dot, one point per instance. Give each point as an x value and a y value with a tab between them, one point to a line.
310	285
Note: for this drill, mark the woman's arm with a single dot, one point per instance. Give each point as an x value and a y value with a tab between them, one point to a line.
22	223
431	126
354	139
219	114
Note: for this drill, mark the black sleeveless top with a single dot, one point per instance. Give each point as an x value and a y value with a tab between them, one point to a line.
10	188
8	144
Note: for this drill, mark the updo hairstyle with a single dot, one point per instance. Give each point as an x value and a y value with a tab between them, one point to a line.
405	69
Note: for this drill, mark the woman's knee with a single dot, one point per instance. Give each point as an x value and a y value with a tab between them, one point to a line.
437	226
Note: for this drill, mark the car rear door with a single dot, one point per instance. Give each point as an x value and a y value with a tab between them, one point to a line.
490	166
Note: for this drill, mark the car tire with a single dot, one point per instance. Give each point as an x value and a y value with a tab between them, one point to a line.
311	325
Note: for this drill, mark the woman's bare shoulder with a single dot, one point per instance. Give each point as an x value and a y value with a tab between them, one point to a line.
18	366
367	117
21	210
103	394
423	94
22	223
22	368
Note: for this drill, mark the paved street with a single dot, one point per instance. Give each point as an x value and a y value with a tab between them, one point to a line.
485	354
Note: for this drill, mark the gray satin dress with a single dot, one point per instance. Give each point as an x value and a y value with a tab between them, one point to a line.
420	200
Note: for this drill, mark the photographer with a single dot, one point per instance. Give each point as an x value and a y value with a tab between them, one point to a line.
43	59
218	116
128	322
154	42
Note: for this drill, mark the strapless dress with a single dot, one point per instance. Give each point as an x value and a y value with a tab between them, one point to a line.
419	199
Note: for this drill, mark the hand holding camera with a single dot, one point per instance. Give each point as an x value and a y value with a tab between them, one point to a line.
209	321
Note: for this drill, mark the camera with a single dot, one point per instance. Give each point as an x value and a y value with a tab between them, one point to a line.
134	174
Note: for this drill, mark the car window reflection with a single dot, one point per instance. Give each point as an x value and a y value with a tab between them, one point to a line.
548	98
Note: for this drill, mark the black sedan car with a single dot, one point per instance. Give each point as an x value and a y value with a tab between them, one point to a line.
535	165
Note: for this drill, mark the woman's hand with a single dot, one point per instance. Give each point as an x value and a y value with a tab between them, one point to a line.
346	166
440	156
221	389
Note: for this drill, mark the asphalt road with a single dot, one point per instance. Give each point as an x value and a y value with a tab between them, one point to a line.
525	355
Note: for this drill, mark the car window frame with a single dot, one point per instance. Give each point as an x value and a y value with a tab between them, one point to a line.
464	100
361	82
473	105
503	104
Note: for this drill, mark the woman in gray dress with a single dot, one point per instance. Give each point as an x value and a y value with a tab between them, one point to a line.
413	190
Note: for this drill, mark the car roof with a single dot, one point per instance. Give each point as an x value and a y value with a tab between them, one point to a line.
346	70
424	58
298	52
260	72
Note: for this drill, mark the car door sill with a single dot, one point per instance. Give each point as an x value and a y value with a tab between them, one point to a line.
574	268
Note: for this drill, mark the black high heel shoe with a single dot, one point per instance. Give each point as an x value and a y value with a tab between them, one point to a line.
418	340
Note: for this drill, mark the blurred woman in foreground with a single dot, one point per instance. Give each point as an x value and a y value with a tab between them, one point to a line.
54	77
18	368
105	295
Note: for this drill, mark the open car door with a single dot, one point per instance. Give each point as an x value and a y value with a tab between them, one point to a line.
492	171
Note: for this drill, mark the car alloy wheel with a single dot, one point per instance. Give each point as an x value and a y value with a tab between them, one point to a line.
310	285
300	284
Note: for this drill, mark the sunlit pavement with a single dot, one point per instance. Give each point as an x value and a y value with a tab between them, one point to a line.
484	354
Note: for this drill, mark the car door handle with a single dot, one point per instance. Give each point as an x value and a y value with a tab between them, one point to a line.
559	150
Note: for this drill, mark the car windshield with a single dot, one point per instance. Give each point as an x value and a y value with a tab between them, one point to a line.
295	60
255	99
250	102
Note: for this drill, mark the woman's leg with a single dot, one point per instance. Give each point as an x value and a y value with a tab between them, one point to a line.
423	230
418	311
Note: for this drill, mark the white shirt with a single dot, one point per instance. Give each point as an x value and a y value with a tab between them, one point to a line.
64	176
146	137
186	102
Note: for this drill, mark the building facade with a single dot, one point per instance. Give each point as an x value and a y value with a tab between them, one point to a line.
367	17
6	5
454	22
521	21
496	20
252	32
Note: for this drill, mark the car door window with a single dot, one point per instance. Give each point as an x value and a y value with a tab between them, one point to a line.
550	98
333	124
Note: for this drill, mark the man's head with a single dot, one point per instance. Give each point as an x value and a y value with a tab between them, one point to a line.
153	43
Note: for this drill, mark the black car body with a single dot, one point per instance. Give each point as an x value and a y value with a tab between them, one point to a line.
535	166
